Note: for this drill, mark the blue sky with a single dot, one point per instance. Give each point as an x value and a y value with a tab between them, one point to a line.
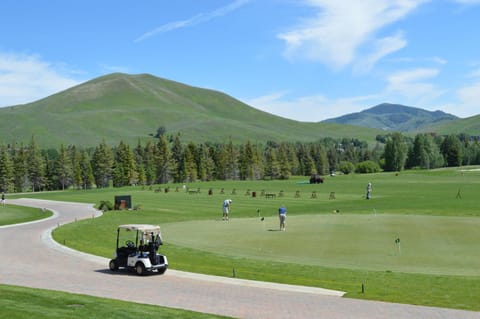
307	60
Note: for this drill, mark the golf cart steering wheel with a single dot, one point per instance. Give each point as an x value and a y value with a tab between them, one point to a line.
129	244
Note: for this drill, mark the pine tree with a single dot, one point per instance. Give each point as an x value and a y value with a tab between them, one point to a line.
102	165
6	170
20	171
76	169
125	170
63	168
138	155
283	162
190	163
203	161
148	160
232	161
178	159
246	162
272	168
163	161
35	166
452	150
86	171
221	162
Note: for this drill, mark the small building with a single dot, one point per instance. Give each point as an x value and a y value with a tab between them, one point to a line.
123	202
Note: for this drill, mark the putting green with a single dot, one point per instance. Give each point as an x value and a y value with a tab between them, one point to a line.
403	243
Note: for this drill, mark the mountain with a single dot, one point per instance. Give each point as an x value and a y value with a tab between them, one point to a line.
394	117
130	108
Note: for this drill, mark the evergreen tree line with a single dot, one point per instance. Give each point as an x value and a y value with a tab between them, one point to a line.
167	160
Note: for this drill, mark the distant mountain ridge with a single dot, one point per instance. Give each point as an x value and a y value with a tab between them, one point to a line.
130	108
394	117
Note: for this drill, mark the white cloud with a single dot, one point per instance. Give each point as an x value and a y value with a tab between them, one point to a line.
383	47
313	108
195	20
25	79
475	73
468	100
414	85
439	60
341	28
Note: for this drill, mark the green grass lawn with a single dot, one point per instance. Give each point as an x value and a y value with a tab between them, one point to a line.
428	244
11	214
434	213
27	303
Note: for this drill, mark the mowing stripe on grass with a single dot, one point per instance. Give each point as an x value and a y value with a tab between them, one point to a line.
429	244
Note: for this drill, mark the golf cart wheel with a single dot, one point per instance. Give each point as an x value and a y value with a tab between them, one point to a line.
162	270
113	265
140	269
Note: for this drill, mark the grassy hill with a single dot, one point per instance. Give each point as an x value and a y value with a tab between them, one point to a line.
470	126
394	117
130	108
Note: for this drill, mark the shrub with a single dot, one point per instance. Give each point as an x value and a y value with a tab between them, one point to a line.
105	205
367	167
346	167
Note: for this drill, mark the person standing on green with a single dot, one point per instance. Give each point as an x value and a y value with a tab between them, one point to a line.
282	215
226	209
369	190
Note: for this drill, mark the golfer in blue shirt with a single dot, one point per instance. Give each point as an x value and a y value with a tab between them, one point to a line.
282	215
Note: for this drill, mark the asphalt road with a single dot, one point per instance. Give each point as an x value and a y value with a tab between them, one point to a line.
33	259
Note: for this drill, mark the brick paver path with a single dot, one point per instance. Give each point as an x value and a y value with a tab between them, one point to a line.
32	259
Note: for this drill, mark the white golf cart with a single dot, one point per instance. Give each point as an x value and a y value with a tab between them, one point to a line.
141	243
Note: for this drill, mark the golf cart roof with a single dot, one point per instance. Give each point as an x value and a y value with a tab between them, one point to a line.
145	228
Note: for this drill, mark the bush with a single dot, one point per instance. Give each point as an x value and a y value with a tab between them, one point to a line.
367	167
105	205
346	167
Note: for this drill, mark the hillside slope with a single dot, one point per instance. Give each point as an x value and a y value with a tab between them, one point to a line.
469	125
130	108
394	117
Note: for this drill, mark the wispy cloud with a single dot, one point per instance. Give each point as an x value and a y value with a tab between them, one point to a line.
382	47
475	73
312	108
414	87
195	20
468	96
26	78
341	28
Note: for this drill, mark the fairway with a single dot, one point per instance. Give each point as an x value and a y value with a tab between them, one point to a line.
427	244
433	213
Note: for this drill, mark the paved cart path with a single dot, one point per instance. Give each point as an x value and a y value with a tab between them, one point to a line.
35	260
